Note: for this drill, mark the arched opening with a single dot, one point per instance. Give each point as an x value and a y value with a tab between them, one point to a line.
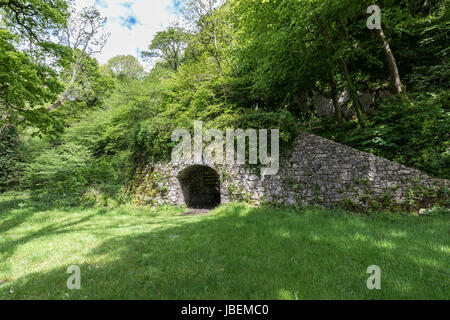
200	186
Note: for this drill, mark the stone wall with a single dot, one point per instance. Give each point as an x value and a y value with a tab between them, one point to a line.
318	171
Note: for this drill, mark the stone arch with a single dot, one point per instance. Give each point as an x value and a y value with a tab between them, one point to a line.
200	186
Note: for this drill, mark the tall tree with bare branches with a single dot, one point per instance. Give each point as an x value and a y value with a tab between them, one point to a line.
86	37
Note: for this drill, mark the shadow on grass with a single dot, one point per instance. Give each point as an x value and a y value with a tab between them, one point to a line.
248	253
16	208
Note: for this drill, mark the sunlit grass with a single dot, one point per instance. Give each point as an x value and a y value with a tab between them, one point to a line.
235	252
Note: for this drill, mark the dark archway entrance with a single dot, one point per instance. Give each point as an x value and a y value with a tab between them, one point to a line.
200	186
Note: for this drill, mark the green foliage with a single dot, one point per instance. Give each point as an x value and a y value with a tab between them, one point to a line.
9	157
125	67
288	45
91	162
91	87
29	86
34	19
69	173
414	133
168	45
59	168
26	82
429	78
435	198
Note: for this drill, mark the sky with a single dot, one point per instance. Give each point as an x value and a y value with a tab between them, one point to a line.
132	23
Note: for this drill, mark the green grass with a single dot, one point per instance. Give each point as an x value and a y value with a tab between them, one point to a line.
236	252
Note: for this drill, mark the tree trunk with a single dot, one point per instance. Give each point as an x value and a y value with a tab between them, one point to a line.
334	93
356	104
353	95
216	53
391	63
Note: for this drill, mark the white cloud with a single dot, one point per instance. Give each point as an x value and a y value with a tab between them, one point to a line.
132	23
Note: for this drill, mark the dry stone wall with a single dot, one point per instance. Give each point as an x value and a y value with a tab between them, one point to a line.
318	171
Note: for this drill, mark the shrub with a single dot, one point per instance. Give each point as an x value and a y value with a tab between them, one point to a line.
10	168
413	132
69	173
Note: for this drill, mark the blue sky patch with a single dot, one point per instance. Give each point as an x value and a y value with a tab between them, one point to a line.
133	23
176	7
129	21
127	5
101	3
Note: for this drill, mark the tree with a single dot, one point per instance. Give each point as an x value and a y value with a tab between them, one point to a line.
92	86
9	156
396	83
169	46
286	47
394	74
207	19
30	60
35	19
84	35
125	67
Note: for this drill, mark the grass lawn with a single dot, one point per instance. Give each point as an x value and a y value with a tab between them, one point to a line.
235	252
